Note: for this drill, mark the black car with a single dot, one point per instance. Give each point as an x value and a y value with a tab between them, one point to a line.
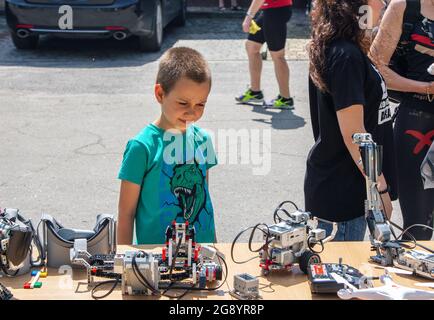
120	19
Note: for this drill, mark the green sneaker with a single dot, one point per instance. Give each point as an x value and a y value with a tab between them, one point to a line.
249	98
282	103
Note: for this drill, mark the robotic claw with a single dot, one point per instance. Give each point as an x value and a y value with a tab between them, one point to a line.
379	228
389	252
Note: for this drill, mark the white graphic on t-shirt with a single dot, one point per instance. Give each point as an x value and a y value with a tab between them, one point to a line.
385	110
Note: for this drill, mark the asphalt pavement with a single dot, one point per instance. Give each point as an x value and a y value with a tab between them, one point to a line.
68	109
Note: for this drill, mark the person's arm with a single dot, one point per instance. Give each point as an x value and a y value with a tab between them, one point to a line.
251	12
350	122
384	46
131	174
128	198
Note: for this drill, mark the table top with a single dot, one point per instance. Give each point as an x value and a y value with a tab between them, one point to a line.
280	285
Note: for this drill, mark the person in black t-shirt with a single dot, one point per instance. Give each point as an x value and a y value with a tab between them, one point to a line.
347	95
414	126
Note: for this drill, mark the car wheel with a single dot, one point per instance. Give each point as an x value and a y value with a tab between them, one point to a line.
155	41
181	19
29	43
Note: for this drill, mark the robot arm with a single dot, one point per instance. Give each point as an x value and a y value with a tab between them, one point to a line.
334	230
372	160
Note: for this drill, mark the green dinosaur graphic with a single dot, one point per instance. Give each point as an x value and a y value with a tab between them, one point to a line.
188	186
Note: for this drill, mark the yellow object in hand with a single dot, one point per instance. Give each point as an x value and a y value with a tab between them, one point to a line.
254	28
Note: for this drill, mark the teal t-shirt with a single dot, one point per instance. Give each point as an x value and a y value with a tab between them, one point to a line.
171	169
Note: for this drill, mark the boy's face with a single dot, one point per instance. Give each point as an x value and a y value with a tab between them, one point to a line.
184	104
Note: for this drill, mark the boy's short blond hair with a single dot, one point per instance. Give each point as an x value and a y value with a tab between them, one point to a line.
180	62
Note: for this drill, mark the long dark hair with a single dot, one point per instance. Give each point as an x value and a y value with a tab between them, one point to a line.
333	19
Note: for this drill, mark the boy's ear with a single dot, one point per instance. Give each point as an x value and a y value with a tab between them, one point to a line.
159	93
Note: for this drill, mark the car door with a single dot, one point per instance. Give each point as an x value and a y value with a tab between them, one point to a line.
172	8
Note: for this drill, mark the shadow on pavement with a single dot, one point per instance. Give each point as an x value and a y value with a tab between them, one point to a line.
280	119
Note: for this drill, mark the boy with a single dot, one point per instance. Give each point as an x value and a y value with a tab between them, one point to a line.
165	167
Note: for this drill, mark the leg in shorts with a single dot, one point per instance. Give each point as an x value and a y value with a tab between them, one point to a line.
273	27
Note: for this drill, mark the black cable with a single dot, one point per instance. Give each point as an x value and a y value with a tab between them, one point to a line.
115	283
267	237
235	241
164	293
288	201
392	223
385	215
280	208
309	244
233	246
185	293
38	245
266	286
416	225
142	279
216	288
144	282
405	231
178	246
277	218
208	289
226	271
402	241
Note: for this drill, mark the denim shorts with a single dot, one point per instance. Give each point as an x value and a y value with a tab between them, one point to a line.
352	230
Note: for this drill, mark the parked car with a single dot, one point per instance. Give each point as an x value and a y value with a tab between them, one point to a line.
120	19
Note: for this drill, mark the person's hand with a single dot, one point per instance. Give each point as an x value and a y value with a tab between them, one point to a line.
388	208
246	24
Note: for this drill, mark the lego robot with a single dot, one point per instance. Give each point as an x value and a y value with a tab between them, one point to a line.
290	242
145	273
182	253
389	252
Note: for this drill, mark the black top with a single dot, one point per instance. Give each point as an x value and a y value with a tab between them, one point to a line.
419	59
334	187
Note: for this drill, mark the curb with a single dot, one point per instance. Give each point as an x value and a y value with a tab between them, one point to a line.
210	12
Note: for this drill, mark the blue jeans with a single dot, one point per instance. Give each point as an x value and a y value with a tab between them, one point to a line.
352	230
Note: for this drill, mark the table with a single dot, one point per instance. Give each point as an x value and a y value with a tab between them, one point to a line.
280	285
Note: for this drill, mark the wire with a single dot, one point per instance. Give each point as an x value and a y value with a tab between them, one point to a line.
416	225
185	293
211	289
142	279
267	237
38	245
280	208
266	286
115	283
405	231
311	246
178	246
236	239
